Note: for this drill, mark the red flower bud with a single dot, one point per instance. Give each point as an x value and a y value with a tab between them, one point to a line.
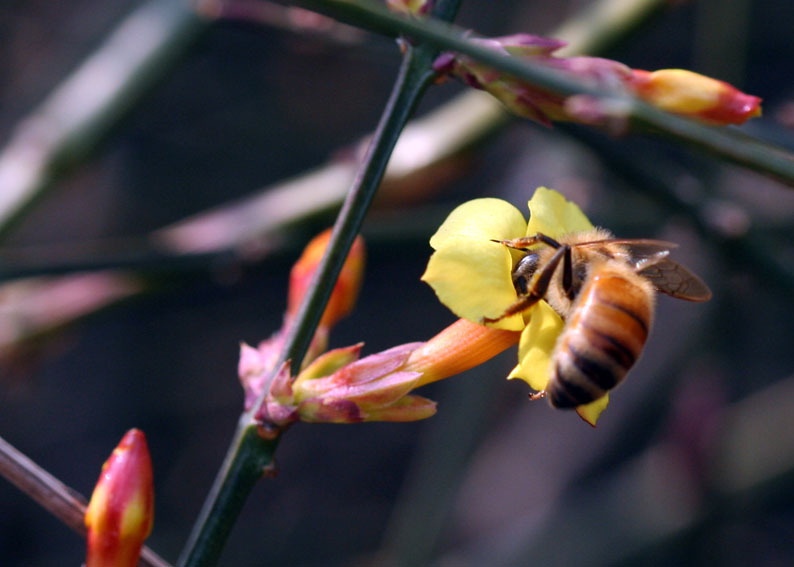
121	512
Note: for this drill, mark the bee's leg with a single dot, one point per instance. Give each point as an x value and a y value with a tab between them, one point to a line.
526	241
519	306
537	290
537	395
567	274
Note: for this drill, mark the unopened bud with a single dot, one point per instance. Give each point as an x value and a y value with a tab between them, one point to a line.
690	94
120	514
345	292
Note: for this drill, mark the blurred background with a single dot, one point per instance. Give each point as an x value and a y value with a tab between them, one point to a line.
131	323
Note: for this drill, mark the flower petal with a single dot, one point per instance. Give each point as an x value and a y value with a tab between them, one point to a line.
328	363
537	345
553	215
481	219
590	412
473	278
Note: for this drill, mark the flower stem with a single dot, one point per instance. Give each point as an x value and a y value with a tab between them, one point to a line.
414	77
250	452
726	143
246	461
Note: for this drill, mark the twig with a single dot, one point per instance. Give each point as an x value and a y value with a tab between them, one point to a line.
274	15
68	125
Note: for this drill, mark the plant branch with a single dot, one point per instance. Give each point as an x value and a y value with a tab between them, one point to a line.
249	456
415	76
725	143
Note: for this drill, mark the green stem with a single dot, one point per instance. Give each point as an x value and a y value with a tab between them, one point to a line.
249	452
726	143
414	77
246	461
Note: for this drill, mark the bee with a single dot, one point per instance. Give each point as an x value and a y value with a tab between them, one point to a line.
605	292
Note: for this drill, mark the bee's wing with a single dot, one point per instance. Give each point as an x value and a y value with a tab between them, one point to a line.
675	280
641	251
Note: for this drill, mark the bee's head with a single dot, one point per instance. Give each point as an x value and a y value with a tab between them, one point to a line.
523	272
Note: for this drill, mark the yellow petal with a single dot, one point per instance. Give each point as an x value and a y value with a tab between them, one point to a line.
553	215
537	345
590	412
481	219
473	278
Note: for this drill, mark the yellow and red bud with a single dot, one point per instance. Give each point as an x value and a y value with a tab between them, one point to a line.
345	292
120	515
459	347
690	94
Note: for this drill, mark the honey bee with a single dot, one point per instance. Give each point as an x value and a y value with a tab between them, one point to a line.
605	293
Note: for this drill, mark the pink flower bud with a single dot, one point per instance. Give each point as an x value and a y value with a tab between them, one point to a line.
120	514
340	388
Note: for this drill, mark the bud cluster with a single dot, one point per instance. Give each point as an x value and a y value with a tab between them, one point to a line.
674	90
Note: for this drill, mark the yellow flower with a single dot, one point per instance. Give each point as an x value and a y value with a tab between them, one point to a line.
472	275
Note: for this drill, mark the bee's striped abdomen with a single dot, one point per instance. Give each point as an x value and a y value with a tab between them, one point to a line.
603	337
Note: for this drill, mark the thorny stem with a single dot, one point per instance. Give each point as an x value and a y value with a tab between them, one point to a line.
250	452
726	143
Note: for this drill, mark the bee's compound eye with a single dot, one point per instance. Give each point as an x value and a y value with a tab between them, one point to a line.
523	272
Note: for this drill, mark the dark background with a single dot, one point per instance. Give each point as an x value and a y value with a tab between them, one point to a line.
691	464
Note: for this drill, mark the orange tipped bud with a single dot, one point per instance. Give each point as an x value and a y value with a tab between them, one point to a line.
345	292
121	512
694	95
